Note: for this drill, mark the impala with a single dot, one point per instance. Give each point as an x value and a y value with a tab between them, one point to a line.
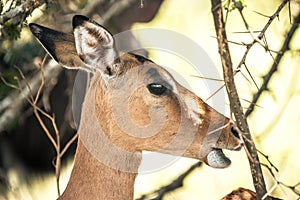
132	105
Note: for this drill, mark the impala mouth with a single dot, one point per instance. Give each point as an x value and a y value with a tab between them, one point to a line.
217	159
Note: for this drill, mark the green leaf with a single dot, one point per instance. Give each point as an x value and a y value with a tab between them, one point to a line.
12	30
230	5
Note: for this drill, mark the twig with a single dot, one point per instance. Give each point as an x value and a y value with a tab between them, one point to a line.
240	9
277	182
28	94
58	158
73	139
213	94
11	106
269	161
57	136
26	83
262	32
274	67
206	78
235	103
276	14
37	111
252	78
293	188
270	191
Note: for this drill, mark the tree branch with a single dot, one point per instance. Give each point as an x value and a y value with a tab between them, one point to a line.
273	69
11	106
235	104
262	33
21	9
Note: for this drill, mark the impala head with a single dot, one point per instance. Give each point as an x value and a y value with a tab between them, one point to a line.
138	104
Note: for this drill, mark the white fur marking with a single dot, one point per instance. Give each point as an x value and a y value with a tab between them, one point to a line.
193	110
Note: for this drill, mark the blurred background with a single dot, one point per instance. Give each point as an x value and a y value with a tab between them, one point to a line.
27	156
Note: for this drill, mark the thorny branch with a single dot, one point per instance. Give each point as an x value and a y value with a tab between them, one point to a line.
270	168
261	35
267	77
255	40
235	103
159	194
285	47
274	67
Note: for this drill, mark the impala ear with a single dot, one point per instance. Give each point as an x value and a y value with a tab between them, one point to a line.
60	46
91	47
94	44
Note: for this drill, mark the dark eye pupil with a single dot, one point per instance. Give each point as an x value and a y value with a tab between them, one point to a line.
156	88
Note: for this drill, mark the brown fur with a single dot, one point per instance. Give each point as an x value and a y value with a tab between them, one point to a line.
121	117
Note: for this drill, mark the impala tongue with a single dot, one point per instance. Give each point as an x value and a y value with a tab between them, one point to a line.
217	159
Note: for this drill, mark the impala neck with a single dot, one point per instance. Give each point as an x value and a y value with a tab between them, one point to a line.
95	174
91	179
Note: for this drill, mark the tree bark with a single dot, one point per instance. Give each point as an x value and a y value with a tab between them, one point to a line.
235	104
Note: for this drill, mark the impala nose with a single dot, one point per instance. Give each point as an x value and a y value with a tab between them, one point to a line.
234	131
237	134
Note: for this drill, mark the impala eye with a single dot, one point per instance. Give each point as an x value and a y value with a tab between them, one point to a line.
156	88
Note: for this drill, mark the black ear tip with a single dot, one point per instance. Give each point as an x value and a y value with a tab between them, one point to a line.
35	28
79	20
